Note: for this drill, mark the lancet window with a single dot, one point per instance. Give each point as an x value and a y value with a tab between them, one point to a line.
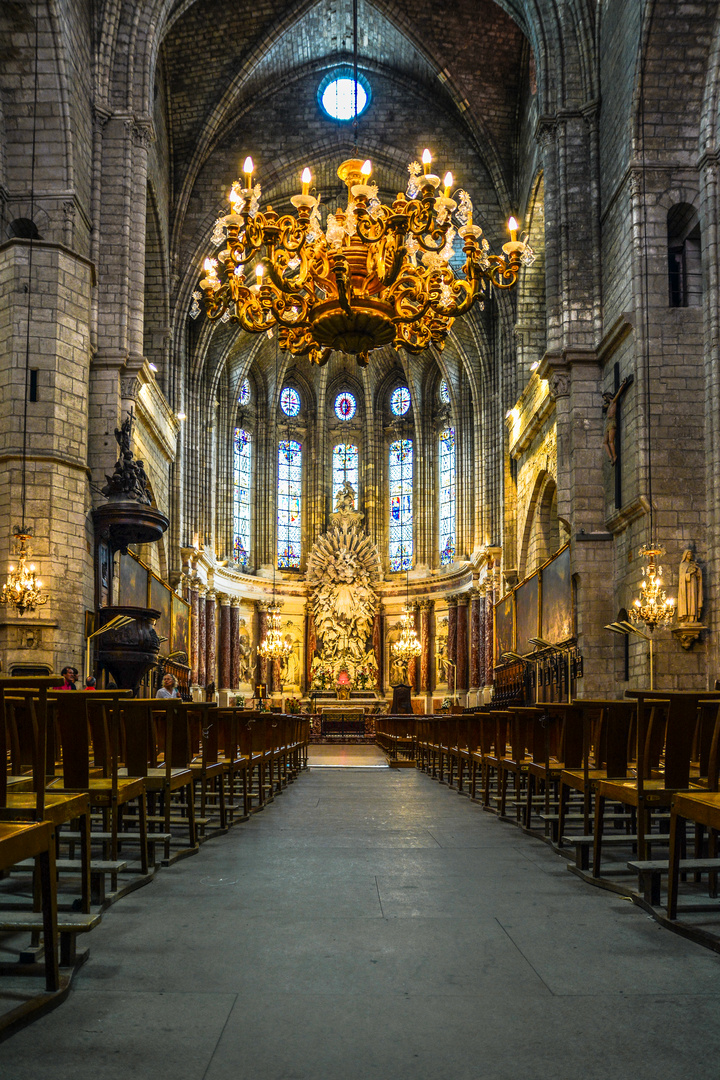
289	504
242	462
447	507
345	466
401	504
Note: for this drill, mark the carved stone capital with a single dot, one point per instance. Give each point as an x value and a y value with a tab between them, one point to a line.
235	602
463	599
224	599
129	387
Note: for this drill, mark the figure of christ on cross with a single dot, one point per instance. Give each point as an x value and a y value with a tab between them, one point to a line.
612	403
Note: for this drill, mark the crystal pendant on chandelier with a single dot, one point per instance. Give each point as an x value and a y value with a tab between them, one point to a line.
374	275
652	607
22	590
274	646
407	646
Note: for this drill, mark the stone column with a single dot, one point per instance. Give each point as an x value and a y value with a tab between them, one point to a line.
310	644
379	646
262	664
425	658
202	638
462	641
224	672
452	602
483	635
194	631
211	638
475	621
235	642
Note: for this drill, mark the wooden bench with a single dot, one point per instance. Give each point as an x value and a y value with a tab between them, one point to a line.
650	873
69	925
583	844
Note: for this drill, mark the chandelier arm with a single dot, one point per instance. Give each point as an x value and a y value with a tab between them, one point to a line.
464	294
217	301
503	275
279	260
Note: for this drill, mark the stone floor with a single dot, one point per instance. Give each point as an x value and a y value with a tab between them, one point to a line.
371	923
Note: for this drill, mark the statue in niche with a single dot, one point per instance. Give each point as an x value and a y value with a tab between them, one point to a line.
690	595
245	650
290	665
612	403
343	569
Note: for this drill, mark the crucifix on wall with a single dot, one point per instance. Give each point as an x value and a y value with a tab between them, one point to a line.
611	437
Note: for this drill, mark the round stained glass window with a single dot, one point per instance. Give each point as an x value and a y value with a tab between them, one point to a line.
290	401
244	393
345	406
336	94
400	401
444	392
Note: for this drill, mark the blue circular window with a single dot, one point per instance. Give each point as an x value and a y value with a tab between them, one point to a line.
244	393
400	401
445	392
345	406
336	94
290	401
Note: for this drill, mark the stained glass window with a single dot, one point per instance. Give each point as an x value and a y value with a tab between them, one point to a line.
345	406
345	467
401	504
244	393
447	496
290	401
242	449
289	498
445	392
400	401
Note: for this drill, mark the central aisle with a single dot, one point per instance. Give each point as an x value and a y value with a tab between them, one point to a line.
371	923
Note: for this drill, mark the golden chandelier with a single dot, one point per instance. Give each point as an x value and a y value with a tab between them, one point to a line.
652	607
374	275
407	646
274	646
22	590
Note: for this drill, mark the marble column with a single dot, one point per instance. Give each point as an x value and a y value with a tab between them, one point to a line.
462	641
482	606
210	637
262	664
224	666
194	632
413	665
452	602
475	619
202	641
235	642
425	658
379	646
489	601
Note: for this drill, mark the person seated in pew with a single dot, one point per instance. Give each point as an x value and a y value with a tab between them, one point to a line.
68	673
169	687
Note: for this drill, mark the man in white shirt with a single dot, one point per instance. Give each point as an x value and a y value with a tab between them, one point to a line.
169	686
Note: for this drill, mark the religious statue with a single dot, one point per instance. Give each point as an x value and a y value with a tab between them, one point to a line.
612	402
129	479
690	596
245	650
345	498
343	568
290	664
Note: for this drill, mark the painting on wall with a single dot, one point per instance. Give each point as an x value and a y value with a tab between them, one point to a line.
133	590
180	628
504	627
527	613
558	622
161	598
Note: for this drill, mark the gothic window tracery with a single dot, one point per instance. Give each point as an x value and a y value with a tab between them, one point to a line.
400	401
242	461
289	504
290	401
345	406
400	475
